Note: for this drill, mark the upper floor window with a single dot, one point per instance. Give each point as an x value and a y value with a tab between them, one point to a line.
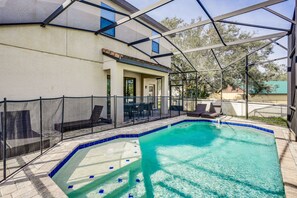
107	18
156	44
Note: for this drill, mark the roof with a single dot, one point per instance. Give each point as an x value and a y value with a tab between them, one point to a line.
277	87
130	8
230	89
134	61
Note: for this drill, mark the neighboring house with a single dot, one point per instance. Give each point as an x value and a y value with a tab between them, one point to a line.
230	94
67	58
233	94
277	93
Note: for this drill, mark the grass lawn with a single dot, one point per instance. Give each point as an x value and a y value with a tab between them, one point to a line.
278	121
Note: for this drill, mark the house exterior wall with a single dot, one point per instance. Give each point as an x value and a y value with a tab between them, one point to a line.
54	61
146	83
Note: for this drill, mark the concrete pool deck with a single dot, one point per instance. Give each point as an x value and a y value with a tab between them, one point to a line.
33	180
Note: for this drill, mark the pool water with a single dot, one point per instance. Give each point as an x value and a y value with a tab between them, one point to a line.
195	159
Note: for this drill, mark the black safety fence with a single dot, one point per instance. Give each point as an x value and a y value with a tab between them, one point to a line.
28	128
292	82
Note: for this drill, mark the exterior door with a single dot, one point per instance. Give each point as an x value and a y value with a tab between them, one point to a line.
129	90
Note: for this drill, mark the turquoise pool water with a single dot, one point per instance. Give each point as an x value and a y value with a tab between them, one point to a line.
196	159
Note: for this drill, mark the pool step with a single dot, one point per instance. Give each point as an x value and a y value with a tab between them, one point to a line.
118	179
135	179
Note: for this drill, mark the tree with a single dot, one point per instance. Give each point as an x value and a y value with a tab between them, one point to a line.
209	81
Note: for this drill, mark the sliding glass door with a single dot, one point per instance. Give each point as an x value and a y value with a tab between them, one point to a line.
129	89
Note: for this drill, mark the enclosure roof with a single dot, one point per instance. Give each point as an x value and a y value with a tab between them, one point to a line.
132	9
134	61
86	15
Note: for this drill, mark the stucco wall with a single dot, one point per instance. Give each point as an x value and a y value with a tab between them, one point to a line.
146	83
55	61
27	74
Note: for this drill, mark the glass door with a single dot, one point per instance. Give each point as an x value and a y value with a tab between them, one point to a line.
129	90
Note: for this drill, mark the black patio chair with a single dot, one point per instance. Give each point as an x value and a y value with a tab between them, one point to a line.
95	120
214	111
200	108
20	138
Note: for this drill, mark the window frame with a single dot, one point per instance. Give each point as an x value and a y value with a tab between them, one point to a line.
107	32
156	44
111	32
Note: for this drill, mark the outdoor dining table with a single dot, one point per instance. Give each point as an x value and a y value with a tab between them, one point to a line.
129	107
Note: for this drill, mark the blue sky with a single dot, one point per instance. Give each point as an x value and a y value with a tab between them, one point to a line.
189	9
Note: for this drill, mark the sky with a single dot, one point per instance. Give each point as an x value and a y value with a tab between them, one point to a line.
190	9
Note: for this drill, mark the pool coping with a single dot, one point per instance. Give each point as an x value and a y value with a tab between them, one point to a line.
34	179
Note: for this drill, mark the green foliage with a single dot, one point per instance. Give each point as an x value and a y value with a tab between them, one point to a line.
277	121
209	81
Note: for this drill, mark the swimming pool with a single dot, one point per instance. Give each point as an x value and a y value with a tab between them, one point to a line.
189	159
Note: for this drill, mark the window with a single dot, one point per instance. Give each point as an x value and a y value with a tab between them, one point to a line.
107	18
155	44
129	89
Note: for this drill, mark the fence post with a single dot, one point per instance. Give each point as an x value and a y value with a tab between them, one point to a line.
148	108
161	101
92	104
115	111
62	125
4	138
179	107
246	87
40	112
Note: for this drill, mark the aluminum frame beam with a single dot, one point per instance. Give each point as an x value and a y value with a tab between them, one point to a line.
277	43
279	15
179	69
268	61
248	40
212	21
221	17
134	15
235	42
253	25
57	12
263	46
217	60
168	40
103	8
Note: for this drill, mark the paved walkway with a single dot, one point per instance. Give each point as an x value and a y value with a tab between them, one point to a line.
33	180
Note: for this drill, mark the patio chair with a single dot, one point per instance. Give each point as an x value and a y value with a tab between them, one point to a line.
95	120
140	110
20	138
214	111
200	108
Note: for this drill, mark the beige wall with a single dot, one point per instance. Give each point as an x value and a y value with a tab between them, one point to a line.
53	61
27	74
146	83
273	98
